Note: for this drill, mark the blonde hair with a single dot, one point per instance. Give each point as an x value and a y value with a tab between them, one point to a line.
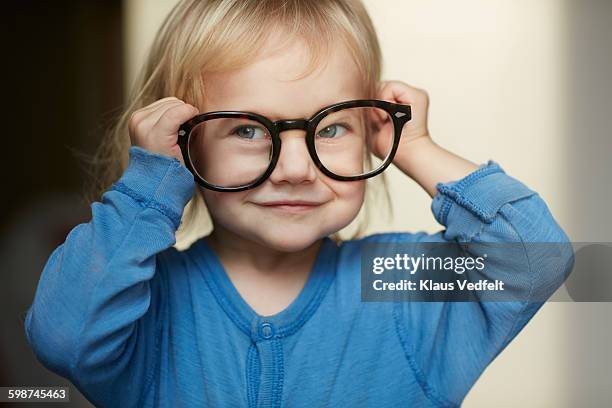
204	36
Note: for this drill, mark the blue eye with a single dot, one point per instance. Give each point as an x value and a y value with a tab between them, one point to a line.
332	131
249	132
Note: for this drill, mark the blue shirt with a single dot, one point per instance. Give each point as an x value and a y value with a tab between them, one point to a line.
132	321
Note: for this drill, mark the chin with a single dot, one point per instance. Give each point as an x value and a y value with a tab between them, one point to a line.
290	241
287	236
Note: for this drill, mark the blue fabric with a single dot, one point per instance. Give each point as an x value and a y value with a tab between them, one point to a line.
132	321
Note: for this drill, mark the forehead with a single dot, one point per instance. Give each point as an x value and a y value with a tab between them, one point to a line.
275	85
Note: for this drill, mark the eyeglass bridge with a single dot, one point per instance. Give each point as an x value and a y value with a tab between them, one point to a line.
291	124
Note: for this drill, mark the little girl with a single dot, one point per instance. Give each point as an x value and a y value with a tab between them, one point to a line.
265	311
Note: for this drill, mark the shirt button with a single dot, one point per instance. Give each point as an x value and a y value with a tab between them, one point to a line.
266	330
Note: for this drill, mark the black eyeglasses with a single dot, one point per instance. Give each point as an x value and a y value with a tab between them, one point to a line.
235	151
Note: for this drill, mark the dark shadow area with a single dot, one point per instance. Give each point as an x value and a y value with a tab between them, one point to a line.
63	83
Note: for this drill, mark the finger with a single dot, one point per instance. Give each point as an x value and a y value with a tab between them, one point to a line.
383	116
171	119
399	92
377	117
141	118
141	124
378	126
159	102
144	111
154	115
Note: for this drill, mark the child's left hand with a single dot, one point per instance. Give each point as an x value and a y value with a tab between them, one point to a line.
418	156
416	128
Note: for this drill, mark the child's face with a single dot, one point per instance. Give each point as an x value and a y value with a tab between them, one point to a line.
267	86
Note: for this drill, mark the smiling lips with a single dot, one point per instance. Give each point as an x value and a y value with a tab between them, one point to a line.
291	205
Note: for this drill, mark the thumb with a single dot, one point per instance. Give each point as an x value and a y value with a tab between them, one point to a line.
400	92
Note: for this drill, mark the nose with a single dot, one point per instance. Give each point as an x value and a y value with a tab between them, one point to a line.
294	164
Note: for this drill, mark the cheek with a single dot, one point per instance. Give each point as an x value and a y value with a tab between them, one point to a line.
221	205
349	194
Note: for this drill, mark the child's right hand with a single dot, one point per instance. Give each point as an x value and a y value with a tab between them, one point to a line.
155	127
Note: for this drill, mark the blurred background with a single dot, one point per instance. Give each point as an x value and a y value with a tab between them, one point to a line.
525	83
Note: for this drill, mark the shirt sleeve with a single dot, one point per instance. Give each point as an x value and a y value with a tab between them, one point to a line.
449	344
94	315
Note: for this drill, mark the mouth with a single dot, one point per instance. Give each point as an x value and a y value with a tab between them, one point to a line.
291	206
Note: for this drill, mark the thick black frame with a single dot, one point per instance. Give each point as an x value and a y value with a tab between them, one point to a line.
399	113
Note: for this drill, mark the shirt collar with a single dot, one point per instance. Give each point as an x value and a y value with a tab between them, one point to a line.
284	323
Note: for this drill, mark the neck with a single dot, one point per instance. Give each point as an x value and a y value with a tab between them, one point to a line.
266	278
237	251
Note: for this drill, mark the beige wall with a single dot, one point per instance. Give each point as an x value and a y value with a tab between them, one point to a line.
504	78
